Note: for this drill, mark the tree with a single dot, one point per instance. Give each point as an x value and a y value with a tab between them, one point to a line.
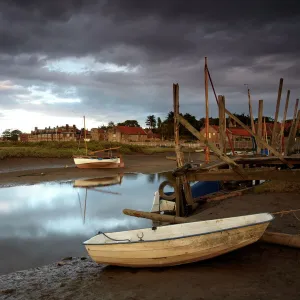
111	124
151	121
159	122
11	135
130	123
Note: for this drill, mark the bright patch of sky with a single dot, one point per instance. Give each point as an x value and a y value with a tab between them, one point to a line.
26	121
73	65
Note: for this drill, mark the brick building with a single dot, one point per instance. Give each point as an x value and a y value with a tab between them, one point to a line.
124	134
98	134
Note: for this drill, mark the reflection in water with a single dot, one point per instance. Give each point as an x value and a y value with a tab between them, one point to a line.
45	222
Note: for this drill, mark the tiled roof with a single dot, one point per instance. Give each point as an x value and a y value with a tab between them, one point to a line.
131	130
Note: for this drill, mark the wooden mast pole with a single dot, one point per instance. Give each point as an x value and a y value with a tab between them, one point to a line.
222	124
250	110
273	140
84	135
259	126
206	110
281	135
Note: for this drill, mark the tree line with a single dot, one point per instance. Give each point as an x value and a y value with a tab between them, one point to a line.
166	127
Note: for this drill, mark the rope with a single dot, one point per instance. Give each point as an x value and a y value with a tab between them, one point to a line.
100	232
284	212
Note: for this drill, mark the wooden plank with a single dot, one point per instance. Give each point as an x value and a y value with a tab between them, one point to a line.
290	240
259	125
249	174
154	216
221	155
291	141
274	140
222	123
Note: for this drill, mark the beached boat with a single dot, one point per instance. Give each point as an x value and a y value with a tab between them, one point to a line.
101	181
95	159
177	244
96	162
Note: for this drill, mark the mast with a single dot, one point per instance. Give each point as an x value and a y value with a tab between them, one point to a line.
84	135
206	110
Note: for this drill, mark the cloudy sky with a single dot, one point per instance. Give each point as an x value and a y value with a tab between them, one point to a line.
115	60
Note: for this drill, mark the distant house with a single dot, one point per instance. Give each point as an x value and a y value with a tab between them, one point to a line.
123	134
98	134
152	136
62	133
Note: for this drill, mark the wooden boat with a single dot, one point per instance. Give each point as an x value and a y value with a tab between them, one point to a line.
94	160
102	181
177	244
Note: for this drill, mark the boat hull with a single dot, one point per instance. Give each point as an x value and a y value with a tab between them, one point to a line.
94	163
176	251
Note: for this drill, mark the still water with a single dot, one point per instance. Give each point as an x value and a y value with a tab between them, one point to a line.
40	224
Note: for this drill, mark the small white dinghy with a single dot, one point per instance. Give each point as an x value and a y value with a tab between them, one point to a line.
177	244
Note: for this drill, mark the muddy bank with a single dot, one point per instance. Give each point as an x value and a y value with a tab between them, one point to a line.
259	271
29	171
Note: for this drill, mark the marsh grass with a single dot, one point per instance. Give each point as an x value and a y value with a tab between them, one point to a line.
68	149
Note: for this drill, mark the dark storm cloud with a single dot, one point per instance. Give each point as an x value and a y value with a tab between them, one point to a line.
246	42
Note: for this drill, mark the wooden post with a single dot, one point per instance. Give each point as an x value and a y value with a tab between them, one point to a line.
222	124
259	125
179	154
206	110
295	115
291	131
281	135
250	112
180	182
274	140
291	140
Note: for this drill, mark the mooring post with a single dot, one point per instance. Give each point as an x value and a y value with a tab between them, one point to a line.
281	135
291	133
222	123
291	141
274	137
181	182
259	125
206	110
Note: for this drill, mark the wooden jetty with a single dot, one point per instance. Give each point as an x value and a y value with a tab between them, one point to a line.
279	165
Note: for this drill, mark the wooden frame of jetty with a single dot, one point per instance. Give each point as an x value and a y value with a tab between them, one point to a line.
237	168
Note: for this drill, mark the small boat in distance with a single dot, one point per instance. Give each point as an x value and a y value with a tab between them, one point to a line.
92	161
177	244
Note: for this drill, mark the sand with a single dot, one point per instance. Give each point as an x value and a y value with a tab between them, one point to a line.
258	271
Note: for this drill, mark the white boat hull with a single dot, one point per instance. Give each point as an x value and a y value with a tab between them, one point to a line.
95	163
177	244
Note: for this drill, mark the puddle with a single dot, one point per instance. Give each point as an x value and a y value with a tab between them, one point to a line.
42	223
